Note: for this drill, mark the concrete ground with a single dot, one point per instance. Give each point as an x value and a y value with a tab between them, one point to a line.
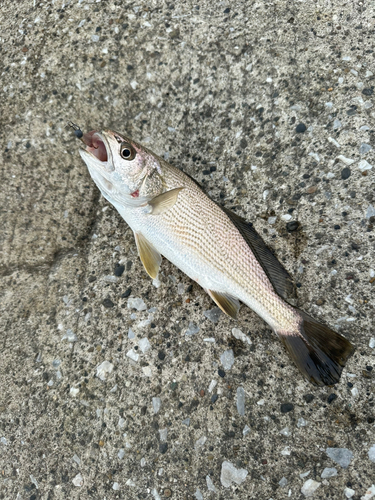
270	106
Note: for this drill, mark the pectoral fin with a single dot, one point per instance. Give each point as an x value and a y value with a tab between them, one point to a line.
150	257
164	202
228	304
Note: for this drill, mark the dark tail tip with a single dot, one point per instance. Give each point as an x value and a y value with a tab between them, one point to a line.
319	352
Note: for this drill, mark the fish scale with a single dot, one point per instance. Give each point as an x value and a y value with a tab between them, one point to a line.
225	256
170	215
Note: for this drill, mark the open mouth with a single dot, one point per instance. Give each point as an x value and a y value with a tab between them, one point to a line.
95	145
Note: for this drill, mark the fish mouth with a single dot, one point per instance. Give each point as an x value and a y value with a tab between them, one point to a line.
98	158
97	146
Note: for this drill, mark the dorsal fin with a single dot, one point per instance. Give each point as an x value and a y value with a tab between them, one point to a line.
277	274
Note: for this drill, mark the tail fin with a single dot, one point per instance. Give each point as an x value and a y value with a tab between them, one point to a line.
319	352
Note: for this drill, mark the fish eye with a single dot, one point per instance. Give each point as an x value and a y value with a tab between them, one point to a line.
127	151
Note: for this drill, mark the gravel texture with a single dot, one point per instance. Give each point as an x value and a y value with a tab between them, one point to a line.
113	386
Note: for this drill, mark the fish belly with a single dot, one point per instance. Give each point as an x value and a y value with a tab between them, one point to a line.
218	262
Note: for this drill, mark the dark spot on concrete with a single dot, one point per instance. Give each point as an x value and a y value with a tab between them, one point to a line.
301	128
331	398
291	226
345	173
308	397
119	269
286	407
163	447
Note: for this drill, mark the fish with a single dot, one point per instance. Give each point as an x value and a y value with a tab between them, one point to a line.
171	216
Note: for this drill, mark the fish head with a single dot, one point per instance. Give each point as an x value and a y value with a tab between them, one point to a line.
125	172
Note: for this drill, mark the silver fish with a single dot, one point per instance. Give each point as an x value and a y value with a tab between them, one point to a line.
172	217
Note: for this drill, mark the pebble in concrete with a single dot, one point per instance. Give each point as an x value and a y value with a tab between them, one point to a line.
104	369
78	480
210	484
229	474
213	314
241	401
341	456
309	487
136	303
328	472
227	359
371	453
156	404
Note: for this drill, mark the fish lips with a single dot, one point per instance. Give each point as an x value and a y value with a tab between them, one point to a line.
98	158
97	153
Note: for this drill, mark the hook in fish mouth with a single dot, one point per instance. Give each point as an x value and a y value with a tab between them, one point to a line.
77	130
94	141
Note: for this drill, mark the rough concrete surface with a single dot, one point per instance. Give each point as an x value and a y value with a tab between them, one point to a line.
221	89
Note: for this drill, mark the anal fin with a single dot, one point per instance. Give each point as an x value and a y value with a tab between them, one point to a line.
150	257
228	304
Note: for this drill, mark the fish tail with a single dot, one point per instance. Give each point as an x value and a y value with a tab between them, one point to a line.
319	352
